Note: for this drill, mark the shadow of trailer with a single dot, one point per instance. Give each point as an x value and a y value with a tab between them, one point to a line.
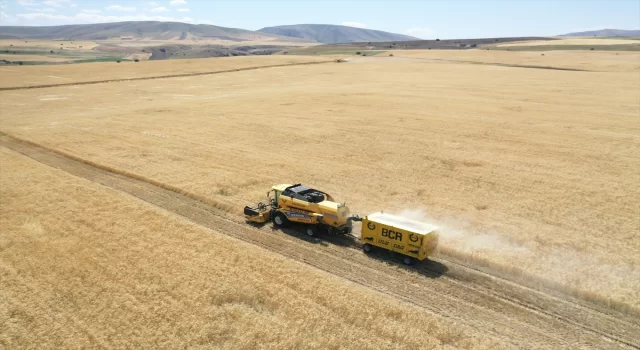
427	267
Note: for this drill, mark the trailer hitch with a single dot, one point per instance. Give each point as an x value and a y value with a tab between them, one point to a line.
355	218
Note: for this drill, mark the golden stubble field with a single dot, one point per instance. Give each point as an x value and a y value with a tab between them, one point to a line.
532	168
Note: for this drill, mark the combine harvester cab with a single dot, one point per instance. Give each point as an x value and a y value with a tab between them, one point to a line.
413	239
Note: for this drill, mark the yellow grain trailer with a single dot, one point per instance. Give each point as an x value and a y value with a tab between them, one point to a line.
414	239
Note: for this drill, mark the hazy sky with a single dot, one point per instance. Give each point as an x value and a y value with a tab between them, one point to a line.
425	19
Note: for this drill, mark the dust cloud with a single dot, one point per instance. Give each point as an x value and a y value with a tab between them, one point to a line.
464	241
583	272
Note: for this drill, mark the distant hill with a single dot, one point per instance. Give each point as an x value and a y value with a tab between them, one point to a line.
141	30
606	32
368	48
331	34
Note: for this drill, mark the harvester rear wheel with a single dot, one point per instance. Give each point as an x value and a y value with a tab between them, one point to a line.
280	220
367	248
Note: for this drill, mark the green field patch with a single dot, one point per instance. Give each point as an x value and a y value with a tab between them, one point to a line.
70	61
100	59
26	52
332	51
72	56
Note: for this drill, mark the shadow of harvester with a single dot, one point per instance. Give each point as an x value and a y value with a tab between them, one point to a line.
297	230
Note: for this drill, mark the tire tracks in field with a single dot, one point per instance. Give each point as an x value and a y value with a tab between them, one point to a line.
504	310
158	76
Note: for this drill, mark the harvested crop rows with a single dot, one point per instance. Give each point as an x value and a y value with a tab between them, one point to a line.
515	314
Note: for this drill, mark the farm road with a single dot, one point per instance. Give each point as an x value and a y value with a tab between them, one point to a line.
513	314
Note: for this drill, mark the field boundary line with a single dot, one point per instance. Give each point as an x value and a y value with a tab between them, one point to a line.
502	64
10	88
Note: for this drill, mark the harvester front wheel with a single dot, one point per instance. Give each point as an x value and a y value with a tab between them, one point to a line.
407	260
311	231
367	248
280	220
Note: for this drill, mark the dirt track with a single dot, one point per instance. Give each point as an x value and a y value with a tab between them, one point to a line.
510	312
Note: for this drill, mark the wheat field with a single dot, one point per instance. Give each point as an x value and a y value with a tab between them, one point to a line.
86	266
525	168
540	164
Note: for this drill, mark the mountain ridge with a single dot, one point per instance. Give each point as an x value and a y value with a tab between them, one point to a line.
135	30
332	34
605	32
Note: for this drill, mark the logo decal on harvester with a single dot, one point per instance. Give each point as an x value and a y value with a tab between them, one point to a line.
413	252
371	225
297	210
298	215
413	237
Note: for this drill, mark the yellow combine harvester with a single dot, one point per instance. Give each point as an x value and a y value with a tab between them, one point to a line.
320	213
301	204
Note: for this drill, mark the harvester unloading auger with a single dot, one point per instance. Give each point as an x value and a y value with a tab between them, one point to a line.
319	213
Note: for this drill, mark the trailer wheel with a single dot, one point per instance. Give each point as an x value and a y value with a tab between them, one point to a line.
367	248
280	220
311	231
407	260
